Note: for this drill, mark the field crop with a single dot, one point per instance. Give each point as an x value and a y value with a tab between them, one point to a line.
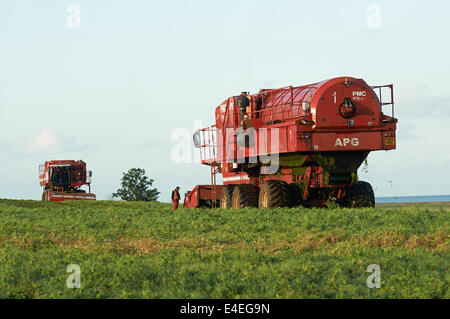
145	250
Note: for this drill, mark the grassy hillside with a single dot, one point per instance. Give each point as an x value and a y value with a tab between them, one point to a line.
141	250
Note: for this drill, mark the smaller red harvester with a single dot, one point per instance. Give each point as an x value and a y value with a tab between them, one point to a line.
62	180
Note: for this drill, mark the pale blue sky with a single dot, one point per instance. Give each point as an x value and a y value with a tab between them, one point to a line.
112	91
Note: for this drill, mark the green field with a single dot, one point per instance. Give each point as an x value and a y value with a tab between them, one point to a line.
142	250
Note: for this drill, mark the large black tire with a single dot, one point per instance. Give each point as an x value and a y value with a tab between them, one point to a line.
274	194
296	193
226	196
360	194
245	195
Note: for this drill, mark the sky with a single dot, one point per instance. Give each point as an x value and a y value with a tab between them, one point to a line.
111	82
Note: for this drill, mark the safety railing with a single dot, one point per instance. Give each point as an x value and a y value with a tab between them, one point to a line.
41	169
282	104
206	140
379	91
282	113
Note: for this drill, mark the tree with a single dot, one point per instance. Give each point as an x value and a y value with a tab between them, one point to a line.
136	187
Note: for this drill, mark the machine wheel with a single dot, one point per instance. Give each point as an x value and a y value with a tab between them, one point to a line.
360	194
244	195
226	196
274	194
296	195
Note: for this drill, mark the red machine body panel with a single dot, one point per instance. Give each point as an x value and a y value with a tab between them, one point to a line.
282	116
61	196
201	192
338	115
62	180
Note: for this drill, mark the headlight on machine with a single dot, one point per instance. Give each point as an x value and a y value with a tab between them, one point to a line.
197	139
305	106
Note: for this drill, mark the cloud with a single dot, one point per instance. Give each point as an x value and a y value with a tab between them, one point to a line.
50	141
415	102
44	142
157	143
406	130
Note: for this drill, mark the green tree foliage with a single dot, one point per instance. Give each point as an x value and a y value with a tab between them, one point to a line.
137	187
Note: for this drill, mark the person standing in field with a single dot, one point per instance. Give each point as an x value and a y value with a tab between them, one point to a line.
176	197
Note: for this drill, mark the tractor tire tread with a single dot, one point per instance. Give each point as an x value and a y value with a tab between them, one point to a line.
360	195
226	196
279	193
247	195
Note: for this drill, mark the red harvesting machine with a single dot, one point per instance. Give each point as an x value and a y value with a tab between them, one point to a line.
62	180
295	145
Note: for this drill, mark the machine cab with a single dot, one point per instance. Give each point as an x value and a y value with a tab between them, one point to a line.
60	175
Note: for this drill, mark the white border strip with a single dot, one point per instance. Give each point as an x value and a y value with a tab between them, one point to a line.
236	178
72	196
